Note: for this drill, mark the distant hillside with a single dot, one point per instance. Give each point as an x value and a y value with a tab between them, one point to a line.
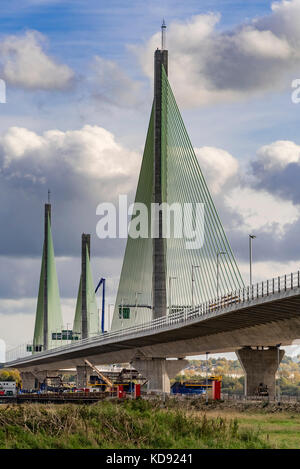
233	375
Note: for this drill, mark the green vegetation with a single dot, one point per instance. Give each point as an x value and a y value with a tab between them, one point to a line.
279	427
216	366
10	375
113	424
233	378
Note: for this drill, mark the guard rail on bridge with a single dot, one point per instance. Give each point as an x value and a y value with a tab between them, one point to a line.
184	315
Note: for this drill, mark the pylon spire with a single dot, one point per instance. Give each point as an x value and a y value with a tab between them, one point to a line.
86	321
48	318
163	35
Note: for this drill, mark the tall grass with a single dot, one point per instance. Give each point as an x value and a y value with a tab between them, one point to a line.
130	424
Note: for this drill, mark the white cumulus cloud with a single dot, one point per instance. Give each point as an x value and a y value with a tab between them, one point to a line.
25	64
261	210
91	152
82	168
208	66
277	155
217	165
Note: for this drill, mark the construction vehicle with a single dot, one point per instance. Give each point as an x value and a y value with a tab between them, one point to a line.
8	388
194	387
262	390
107	382
110	380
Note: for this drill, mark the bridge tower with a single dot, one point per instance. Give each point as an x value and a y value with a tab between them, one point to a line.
47	222
48	318
86	321
171	177
159	255
85	256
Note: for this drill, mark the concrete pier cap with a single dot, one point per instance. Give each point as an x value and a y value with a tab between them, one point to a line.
260	365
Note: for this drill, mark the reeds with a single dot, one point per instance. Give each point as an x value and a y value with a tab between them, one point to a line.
130	424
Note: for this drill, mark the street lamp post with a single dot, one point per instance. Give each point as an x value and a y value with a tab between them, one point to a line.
219	253
193	280
251	237
170	293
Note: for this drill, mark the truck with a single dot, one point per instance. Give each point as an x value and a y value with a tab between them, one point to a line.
8	388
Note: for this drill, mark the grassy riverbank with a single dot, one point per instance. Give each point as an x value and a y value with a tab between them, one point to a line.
136	424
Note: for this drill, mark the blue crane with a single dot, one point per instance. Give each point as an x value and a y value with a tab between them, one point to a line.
102	282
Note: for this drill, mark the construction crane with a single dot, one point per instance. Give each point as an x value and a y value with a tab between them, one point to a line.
98	373
102	282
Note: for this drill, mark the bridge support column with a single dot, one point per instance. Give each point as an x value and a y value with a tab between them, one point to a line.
158	371
260	366
34	379
29	381
83	376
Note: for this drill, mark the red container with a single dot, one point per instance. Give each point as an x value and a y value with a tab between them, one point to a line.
216	390
120	391
137	390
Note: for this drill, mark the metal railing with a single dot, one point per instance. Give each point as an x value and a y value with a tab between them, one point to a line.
186	314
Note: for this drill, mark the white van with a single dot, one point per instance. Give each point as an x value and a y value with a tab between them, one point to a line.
8	388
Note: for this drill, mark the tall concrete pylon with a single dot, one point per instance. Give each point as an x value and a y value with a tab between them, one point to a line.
159	293
86	321
163	274
48	318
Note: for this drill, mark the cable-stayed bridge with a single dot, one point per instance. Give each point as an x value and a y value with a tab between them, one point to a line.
174	299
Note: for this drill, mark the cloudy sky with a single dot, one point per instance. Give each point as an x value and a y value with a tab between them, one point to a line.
79	89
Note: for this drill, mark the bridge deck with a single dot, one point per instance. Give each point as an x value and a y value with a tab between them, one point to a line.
216	317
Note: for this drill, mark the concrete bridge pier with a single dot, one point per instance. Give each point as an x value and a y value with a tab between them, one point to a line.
260	365
83	375
158	371
28	380
33	379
